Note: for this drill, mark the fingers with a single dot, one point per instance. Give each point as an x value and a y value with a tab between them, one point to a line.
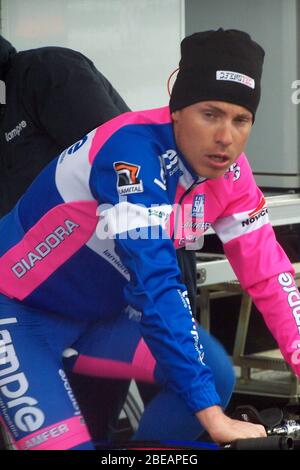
245	430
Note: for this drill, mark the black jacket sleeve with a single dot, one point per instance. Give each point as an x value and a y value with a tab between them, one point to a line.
67	96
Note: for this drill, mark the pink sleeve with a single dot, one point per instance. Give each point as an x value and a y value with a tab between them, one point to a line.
266	273
256	256
260	263
278	300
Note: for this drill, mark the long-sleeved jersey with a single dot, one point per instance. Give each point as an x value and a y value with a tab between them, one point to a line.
96	232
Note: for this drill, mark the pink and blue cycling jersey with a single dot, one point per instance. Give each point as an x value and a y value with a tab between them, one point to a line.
95	235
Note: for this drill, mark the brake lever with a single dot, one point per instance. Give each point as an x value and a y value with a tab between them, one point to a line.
289	428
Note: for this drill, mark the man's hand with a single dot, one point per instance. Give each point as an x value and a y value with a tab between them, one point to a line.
223	429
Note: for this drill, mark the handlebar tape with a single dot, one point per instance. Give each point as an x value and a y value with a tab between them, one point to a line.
263	443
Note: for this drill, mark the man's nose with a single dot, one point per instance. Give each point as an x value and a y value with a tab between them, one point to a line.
223	135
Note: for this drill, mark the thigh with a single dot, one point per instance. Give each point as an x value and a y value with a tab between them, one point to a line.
116	349
216	358
37	406
167	416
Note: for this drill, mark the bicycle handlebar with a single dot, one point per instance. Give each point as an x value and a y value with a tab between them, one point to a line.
262	443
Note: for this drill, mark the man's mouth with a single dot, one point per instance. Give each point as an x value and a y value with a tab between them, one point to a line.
218	159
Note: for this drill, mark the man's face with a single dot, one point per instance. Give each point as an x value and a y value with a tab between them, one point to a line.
211	135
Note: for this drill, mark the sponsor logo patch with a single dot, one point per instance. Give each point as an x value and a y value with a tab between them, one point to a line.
14	387
236	170
128	181
198	206
73	149
43	248
16	131
287	283
260	211
237	77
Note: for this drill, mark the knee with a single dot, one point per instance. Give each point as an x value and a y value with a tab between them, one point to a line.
225	380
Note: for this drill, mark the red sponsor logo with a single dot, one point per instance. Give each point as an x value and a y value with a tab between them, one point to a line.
260	206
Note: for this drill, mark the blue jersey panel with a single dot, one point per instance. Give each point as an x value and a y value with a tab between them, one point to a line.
80	288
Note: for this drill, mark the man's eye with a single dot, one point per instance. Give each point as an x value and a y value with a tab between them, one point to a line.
208	114
242	120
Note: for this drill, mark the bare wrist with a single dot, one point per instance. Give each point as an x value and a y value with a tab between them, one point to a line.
208	416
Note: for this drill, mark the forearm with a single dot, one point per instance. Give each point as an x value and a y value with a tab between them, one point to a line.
278	300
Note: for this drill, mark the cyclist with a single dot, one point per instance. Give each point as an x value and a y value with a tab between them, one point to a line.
88	258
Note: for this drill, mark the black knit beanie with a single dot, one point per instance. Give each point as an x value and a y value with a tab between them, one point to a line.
222	65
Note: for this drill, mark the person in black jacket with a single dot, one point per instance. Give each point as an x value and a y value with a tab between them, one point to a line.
54	96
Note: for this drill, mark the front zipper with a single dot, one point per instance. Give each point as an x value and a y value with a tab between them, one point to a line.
180	202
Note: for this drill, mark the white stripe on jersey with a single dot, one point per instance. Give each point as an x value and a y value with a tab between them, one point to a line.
73	171
125	216
236	225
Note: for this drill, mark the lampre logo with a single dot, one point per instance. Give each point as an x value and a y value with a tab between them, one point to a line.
169	164
75	147
14	385
128	181
260	211
16	131
170	158
293	297
194	331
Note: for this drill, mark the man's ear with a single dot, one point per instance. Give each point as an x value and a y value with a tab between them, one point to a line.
174	116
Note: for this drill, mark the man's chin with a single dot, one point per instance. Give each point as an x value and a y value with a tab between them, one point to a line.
211	174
